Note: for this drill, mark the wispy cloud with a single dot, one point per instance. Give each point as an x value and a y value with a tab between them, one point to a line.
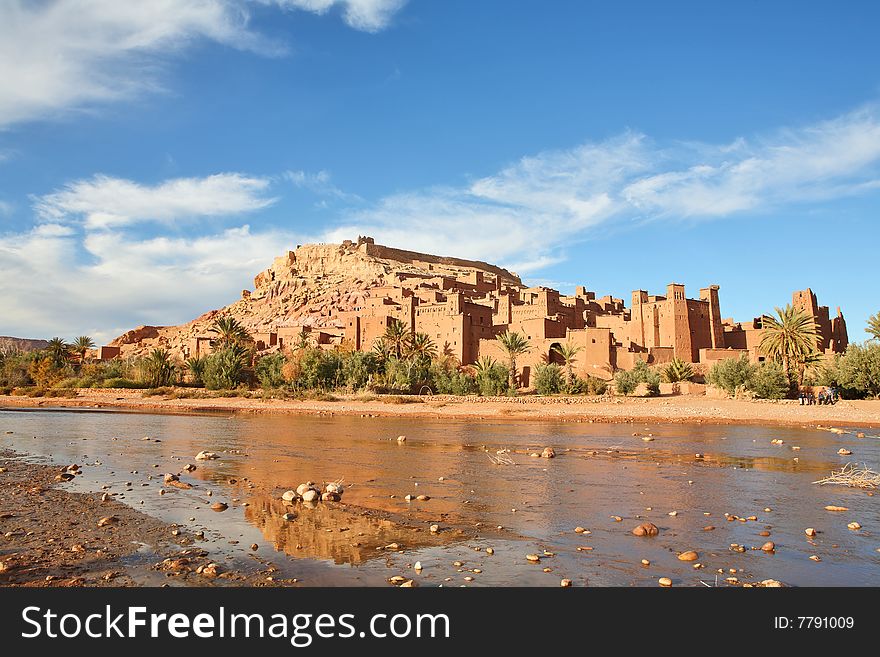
57	56
365	15
105	202
320	184
529	212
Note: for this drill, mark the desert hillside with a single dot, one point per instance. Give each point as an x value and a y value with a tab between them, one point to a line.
310	287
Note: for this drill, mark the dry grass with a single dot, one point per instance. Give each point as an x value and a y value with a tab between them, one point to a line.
852	476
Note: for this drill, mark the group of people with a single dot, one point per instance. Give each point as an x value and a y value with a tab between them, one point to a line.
826	396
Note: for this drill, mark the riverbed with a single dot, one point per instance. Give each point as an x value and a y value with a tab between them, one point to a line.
605	479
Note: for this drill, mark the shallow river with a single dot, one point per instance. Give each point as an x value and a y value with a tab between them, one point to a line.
533	506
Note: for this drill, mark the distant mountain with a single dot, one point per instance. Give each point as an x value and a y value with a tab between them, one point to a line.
21	344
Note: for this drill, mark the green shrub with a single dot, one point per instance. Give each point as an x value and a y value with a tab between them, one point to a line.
359	369
548	379
492	381
596	386
677	370
625	382
856	373
641	370
768	381
449	380
196	368
268	371
652	383
731	374
225	368
14	369
157	370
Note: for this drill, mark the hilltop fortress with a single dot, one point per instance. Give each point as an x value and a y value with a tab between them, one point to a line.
347	294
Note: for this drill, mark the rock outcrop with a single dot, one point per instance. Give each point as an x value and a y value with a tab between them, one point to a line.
310	287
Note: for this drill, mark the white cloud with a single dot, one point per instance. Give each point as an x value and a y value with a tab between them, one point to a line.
105	202
528	213
58	55
62	55
365	15
124	282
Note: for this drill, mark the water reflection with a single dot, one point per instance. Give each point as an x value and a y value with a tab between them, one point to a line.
600	471
331	531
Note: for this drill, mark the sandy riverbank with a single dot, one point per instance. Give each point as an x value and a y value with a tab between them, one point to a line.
53	537
676	409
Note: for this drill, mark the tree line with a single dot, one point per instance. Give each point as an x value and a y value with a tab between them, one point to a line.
407	362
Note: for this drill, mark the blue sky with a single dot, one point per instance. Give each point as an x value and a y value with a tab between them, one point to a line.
155	156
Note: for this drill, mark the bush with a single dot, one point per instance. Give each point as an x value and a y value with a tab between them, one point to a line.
857	372
768	381
492	381
548	379
596	386
652	383
225	368
45	373
625	382
359	369
313	369
449	380
398	376
677	370
14	369
196	367
268	371
731	374
157	370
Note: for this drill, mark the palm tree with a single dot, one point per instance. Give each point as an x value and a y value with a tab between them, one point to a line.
58	351
568	352
485	364
81	345
514	344
382	349
303	341
420	345
790	337
229	332
158	369
196	366
874	326
397	336
677	370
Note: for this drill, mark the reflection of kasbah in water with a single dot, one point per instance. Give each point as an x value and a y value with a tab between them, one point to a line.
332	531
350	293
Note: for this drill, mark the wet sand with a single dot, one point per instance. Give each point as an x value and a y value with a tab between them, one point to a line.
52	537
671	409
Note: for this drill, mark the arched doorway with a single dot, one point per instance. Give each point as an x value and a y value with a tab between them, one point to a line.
553	356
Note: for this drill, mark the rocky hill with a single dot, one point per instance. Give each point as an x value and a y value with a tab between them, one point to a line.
21	344
309	287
